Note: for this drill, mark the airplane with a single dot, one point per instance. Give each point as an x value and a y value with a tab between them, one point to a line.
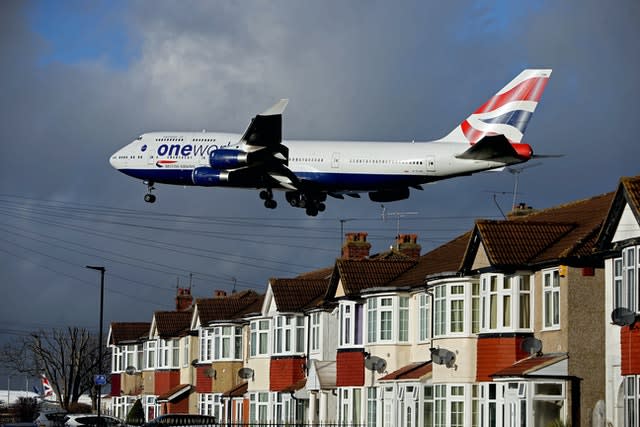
309	171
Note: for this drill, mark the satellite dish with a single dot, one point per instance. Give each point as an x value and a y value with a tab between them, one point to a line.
210	372
531	345
623	317
130	370
245	373
194	362
375	363
442	356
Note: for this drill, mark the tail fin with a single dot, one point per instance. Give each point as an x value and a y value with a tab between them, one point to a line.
507	112
47	390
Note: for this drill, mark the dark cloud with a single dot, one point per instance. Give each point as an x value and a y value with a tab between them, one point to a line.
353	70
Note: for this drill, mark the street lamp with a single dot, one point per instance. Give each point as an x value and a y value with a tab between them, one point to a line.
101	270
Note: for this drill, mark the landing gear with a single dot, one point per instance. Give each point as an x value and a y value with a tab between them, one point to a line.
149	198
311	203
267	196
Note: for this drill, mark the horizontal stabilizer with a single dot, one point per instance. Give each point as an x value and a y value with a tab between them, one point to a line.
491	148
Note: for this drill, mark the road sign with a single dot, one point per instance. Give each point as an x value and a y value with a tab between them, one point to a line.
100	379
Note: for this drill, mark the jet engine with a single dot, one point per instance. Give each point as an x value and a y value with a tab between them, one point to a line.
209	177
389	195
225	158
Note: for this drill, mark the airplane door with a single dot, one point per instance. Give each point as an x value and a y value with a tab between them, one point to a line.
335	160
430	164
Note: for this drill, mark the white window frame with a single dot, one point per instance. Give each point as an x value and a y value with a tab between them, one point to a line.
116	359
260	335
289	334
350	320
186	351
424	317
210	404
502	300
315	319
551	295
206	345
386	315
631	396
630	277
259	404
227	342
350	405
168	353
150	354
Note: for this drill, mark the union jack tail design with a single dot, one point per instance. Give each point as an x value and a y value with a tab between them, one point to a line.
47	390
507	112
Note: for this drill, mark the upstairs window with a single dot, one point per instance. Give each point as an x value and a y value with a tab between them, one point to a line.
150	355
350	324
453	308
387	319
227	342
289	334
506	302
260	337
424	314
314	340
168	353
206	345
551	299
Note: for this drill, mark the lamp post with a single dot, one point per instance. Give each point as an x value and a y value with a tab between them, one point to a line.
101	270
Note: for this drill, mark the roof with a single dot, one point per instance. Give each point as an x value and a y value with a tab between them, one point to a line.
237	391
291	295
234	306
174	393
322	273
530	365
565	232
443	259
129	332
413	371
358	275
171	324
628	193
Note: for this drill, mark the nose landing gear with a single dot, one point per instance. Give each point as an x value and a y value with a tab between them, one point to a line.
149	198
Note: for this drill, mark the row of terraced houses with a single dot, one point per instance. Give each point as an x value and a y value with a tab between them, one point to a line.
508	324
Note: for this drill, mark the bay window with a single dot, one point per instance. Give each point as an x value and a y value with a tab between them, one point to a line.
314	340
289	334
150	354
227	342
168	353
505	302
350	324
424	314
387	319
206	345
626	279
455	308
260	337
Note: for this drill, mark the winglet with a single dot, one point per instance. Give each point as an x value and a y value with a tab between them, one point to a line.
276	109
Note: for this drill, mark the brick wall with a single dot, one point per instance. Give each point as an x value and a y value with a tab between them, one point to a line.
204	383
350	368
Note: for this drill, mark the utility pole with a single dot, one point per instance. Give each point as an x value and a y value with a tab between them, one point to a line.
99	379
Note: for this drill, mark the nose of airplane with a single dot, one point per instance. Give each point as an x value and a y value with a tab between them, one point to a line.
113	160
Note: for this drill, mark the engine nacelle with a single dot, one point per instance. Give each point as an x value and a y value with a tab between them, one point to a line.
209	177
225	158
389	195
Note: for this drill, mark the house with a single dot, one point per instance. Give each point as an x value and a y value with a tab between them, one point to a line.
619	243
537	307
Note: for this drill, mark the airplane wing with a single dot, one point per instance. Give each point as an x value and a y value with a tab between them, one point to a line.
269	157
494	148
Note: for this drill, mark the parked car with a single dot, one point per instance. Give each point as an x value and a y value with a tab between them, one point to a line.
82	420
182	420
53	418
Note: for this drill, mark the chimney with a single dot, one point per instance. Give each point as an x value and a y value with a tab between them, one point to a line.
355	246
521	209
407	244
218	293
183	299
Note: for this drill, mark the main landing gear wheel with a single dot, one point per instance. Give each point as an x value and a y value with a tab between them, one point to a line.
267	196
149	198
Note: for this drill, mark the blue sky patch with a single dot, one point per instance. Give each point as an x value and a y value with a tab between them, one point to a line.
81	31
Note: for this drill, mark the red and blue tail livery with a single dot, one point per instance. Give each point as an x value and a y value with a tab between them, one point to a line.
310	171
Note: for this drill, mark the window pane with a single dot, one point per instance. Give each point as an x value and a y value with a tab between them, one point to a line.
525	311
506	311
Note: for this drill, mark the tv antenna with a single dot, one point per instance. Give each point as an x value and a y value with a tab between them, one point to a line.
516	171
398	215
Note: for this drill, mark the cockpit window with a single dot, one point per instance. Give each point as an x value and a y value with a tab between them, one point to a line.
139	138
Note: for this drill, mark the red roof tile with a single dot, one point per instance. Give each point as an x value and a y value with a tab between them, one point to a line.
171	324
235	306
628	193
358	275
529	365
125	332
413	371
292	295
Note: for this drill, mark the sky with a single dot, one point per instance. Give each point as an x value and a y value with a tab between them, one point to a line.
79	80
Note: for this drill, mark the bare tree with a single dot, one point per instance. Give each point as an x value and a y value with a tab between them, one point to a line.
68	358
